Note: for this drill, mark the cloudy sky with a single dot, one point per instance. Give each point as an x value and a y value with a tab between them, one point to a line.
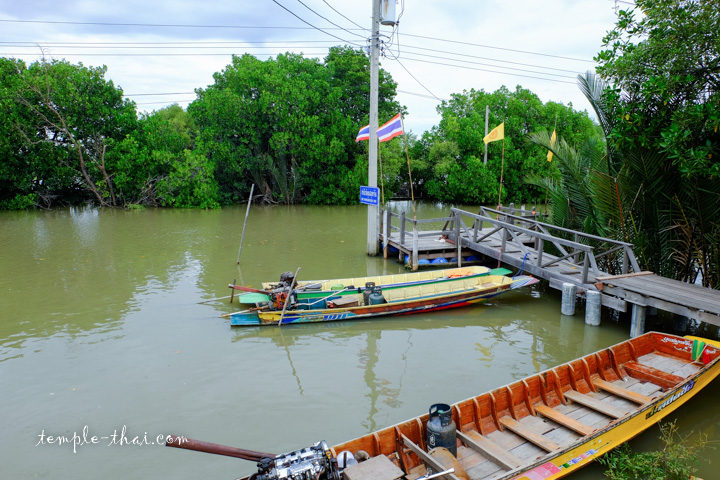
158	52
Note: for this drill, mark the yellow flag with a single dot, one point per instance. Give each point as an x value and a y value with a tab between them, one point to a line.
497	133
552	143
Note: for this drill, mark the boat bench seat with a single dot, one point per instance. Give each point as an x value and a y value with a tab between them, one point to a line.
564	420
529	434
375	468
595	404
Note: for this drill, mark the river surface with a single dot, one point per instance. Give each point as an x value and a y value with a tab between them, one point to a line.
104	334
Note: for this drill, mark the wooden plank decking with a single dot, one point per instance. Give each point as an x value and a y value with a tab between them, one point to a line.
522	243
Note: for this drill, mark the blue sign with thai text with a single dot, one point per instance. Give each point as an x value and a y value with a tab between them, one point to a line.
369	195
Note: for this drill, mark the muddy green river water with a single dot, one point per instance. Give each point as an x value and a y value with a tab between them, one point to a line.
104	334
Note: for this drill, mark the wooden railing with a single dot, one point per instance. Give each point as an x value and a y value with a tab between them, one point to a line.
512	226
579	248
409	226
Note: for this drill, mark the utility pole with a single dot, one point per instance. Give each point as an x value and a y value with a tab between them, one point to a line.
373	210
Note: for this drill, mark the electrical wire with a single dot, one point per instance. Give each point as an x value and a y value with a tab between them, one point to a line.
346	18
418	81
162	25
497	66
498	48
422	95
160	44
310	24
216	45
489	59
490	71
160	54
325	18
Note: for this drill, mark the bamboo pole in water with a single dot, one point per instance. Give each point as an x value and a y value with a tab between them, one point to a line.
247	211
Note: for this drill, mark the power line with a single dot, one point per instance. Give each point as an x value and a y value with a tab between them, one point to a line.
414	78
487	58
158	25
140	47
495	66
205	54
490	71
422	95
152	94
310	24
161	25
497	48
324	18
53	44
190	46
346	18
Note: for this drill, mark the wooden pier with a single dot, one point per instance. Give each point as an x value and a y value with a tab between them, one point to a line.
556	254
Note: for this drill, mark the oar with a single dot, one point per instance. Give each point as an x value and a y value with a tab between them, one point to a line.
214	448
287	299
246	289
215	300
253	309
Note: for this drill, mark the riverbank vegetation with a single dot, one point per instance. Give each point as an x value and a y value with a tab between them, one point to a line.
677	460
655	180
647	173
287	125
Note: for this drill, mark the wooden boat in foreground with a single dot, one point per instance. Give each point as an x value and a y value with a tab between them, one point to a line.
352	303
542	427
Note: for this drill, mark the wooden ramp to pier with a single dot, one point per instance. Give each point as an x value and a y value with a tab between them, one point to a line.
556	254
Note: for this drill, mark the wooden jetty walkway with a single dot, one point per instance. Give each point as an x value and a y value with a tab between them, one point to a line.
559	255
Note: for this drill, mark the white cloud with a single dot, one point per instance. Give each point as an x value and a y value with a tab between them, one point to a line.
563	28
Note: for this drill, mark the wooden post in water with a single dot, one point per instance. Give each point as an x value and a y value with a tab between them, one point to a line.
458	240
415	247
247	211
289	295
386	230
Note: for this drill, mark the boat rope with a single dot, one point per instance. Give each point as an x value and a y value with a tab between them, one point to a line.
522	267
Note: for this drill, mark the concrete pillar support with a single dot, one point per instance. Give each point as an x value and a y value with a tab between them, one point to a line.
637	321
568	299
593	307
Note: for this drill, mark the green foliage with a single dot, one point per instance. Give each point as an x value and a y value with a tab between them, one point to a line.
634	196
153	153
288	125
453	151
190	183
661	118
663	59
676	461
58	120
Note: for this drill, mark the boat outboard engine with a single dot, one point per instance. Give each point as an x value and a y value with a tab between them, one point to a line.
286	279
310	463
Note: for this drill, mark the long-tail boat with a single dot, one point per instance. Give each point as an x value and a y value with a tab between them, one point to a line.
310	288
400	295
542	427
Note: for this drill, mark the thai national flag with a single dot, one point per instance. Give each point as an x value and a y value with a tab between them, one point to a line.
364	133
391	129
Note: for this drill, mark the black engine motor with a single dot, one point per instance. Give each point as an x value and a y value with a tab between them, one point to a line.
310	463
286	279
